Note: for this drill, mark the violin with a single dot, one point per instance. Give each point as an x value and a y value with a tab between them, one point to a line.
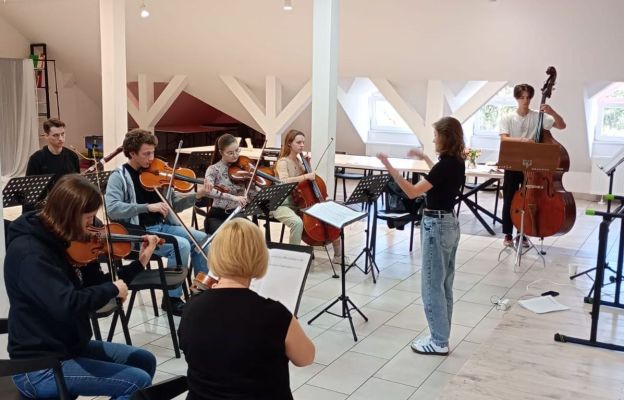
159	174
243	170
549	208
203	282
306	194
95	243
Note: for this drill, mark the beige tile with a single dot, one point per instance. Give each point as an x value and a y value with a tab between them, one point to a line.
375	389
469	314
458	357
483	293
308	392
331	344
385	342
412	317
409	368
432	387
300	375
348	372
393	300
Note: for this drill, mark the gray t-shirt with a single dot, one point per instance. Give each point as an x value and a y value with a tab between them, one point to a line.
524	127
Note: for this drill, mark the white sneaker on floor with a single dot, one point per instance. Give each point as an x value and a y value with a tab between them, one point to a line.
426	346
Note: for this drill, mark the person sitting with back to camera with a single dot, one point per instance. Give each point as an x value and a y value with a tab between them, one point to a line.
236	343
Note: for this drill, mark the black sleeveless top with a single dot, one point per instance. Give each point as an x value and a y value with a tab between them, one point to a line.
234	343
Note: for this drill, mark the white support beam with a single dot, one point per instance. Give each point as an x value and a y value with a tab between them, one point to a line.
325	24
165	100
291	112
473	103
272	119
114	86
146	93
411	117
248	100
273	97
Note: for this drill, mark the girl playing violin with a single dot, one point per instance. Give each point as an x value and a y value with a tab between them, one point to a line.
231	194
288	169
236	343
49	306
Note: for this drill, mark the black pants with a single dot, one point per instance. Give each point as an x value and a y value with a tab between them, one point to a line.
214	219
511	183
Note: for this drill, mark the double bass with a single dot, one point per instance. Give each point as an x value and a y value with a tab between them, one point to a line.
549	209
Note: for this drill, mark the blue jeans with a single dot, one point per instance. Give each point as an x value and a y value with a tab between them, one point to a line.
103	369
439	240
197	259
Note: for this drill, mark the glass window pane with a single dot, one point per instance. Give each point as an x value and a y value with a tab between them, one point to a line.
613	122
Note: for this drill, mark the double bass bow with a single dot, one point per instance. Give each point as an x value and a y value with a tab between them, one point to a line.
549	209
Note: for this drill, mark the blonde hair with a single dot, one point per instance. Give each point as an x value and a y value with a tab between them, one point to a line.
239	250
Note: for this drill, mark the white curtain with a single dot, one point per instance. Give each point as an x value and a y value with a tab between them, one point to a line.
19	127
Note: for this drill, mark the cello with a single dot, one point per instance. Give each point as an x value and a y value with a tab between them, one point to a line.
549	209
306	194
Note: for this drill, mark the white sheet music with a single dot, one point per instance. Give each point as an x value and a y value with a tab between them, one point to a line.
334	214
284	278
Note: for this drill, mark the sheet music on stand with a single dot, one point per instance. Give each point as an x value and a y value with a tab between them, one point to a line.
25	190
286	276
102	176
268	199
334	214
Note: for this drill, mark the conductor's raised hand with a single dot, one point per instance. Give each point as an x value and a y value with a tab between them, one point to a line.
416	153
383	157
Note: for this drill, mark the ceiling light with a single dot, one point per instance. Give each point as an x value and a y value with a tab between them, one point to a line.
288	5
144	12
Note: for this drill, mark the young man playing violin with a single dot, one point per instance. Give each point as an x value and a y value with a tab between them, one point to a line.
521	126
130	203
229	195
289	168
49	306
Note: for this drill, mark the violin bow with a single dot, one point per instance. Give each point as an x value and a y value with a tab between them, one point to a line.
255	168
324	151
179	220
169	193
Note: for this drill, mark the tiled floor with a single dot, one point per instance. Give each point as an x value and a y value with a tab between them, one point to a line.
381	364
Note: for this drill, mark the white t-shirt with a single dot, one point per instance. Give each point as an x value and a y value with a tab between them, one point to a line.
524	127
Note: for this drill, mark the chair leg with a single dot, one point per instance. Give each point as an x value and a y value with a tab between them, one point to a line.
172	329
496	201
335	184
282	233
154	302
96	328
344	189
413	223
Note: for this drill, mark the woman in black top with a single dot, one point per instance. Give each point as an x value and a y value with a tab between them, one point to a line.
49	306
439	229
236	343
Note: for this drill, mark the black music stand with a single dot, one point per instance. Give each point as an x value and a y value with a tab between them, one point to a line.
526	157
338	216
25	190
267	200
367	191
101	176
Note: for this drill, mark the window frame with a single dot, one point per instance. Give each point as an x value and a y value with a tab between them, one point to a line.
373	126
602	103
499	102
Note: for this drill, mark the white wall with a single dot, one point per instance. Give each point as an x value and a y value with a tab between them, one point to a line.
407	42
12	43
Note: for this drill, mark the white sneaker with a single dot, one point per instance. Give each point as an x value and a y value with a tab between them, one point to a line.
426	346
